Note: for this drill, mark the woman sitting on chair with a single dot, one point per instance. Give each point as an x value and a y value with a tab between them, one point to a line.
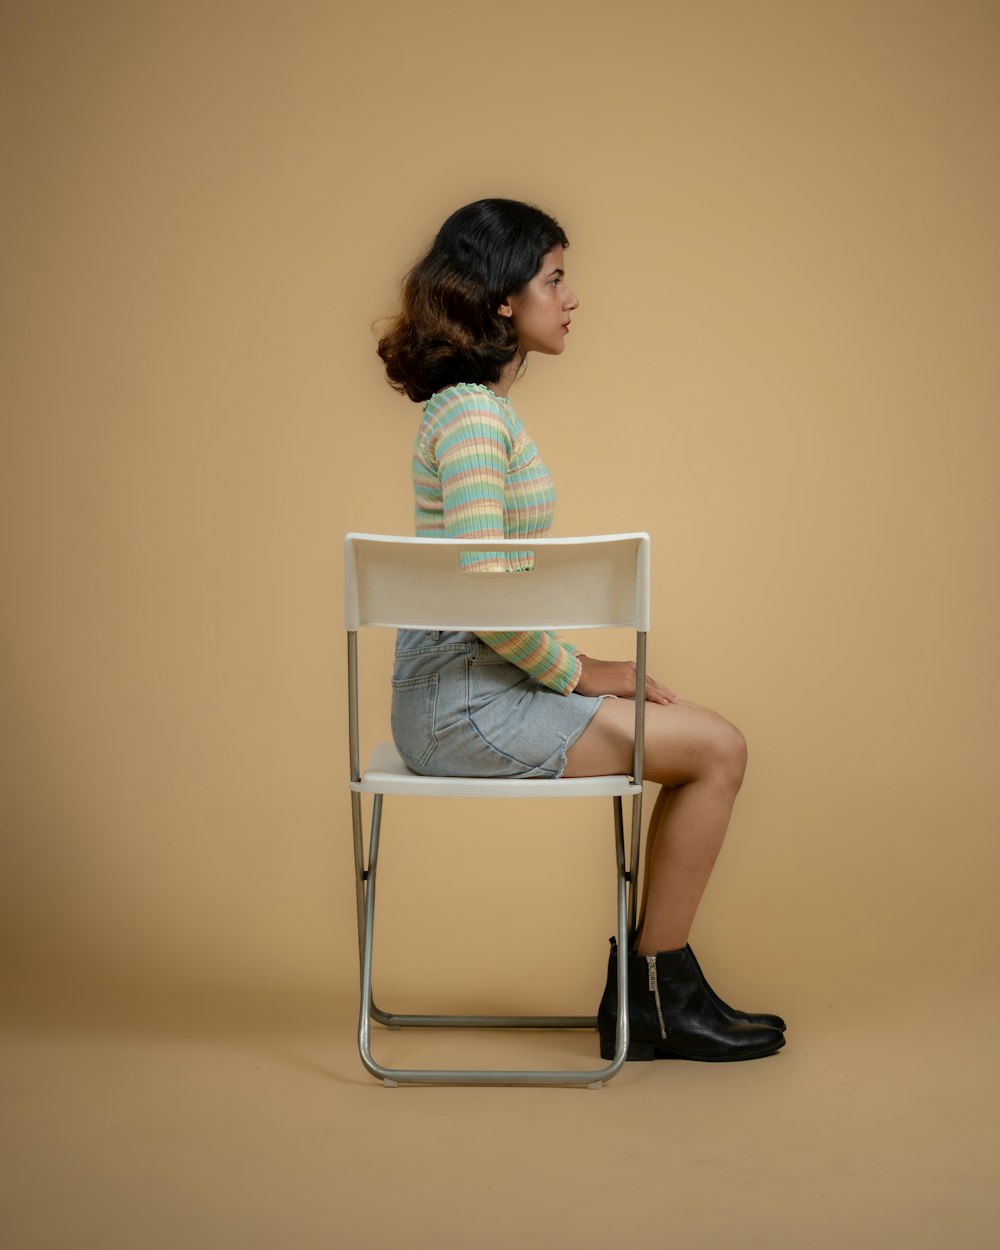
491	289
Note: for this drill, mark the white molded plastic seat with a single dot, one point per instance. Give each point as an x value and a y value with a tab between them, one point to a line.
387	774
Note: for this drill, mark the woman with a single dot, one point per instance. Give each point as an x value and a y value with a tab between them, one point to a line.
491	289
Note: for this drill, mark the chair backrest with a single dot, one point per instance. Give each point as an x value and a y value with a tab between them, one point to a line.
426	583
423	583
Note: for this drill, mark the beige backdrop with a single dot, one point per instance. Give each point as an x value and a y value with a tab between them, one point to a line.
783	228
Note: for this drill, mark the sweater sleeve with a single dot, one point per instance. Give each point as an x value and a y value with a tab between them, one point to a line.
473	453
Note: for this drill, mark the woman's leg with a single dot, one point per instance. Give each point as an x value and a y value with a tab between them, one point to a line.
699	758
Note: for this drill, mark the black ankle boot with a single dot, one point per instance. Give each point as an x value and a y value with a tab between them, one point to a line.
672	1016
754	1017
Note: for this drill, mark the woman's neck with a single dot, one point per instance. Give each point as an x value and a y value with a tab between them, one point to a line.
508	377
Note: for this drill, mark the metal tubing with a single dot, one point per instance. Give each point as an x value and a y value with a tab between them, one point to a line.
640	707
393	1020
355	767
638	764
592	1078
359	868
364	1016
622	1022
352	704
633	896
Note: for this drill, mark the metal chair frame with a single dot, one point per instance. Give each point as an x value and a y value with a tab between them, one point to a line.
419	583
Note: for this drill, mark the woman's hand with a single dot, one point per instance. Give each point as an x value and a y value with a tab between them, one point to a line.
618	677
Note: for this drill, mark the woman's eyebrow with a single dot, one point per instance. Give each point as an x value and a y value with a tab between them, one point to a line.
557	273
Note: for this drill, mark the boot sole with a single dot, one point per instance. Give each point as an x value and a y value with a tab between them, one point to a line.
643	1052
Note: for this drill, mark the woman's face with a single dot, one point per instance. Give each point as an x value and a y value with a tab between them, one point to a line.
540	313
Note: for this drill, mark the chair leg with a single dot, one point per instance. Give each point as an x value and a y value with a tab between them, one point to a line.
359	870
367	936
419	1076
626	908
633	871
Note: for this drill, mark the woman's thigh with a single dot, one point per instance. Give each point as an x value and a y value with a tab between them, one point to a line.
682	741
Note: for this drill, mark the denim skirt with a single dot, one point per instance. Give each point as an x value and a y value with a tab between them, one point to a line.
461	710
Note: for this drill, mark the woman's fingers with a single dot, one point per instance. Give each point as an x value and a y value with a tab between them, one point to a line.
657	692
618	677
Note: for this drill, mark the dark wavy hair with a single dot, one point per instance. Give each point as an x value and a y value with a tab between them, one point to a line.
449	328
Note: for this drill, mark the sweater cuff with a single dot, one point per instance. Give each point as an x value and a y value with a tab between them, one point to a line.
574	679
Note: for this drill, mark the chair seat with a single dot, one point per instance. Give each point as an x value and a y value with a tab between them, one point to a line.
387	774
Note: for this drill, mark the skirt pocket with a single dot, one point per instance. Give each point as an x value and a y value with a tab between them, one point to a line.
414	711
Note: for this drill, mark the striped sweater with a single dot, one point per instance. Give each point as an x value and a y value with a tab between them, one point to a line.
477	474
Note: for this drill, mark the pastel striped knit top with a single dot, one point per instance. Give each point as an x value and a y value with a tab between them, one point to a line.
477	474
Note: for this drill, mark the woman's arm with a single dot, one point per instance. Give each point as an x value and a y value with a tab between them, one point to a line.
472	452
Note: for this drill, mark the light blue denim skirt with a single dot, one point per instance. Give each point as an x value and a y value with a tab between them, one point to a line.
461	710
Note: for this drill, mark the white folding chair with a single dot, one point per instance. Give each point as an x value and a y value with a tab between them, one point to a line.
420	583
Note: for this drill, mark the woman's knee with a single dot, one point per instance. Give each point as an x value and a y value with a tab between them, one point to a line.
689	743
730	752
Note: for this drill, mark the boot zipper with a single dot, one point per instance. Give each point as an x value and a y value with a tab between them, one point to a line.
654	987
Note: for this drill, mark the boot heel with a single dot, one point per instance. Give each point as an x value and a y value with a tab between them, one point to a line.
637	1051
640	1051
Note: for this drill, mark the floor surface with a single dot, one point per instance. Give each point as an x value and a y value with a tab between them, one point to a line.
195	1127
